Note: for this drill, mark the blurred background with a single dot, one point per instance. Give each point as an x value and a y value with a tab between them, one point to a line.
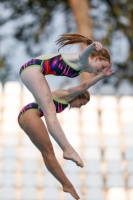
102	131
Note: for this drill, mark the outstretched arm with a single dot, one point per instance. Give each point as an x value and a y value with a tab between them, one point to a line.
73	92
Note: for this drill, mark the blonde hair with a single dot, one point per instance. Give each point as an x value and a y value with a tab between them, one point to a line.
84	95
75	38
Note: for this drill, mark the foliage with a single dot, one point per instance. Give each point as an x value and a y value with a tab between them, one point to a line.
4	71
30	19
116	16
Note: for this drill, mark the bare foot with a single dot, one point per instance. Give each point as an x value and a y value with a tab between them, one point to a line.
72	191
74	157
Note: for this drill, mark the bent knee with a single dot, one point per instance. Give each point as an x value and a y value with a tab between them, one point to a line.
47	150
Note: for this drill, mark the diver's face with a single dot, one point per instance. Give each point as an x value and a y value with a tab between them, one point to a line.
78	103
96	65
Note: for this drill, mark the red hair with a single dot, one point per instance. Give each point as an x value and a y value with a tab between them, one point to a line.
75	38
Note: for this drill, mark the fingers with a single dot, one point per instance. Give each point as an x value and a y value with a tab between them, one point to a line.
97	46
107	72
112	72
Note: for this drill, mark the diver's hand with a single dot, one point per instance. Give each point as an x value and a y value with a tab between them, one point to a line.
97	46
107	72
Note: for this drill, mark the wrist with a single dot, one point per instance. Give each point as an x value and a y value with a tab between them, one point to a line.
92	46
102	75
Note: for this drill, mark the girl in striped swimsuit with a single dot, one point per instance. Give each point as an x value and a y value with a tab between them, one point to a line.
30	121
93	59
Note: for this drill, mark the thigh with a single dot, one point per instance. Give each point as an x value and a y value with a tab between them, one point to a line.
34	127
38	86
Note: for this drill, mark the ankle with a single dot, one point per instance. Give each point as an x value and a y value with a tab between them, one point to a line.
69	185
68	149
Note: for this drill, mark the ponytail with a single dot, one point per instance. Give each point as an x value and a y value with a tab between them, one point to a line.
72	38
75	38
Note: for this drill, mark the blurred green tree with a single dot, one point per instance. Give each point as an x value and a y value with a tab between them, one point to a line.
105	17
114	19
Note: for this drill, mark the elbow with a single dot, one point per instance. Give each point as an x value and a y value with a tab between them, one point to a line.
84	86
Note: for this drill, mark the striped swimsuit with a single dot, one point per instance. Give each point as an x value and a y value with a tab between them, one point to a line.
56	65
60	106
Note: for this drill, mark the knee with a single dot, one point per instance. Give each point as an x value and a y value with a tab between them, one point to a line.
47	151
49	157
